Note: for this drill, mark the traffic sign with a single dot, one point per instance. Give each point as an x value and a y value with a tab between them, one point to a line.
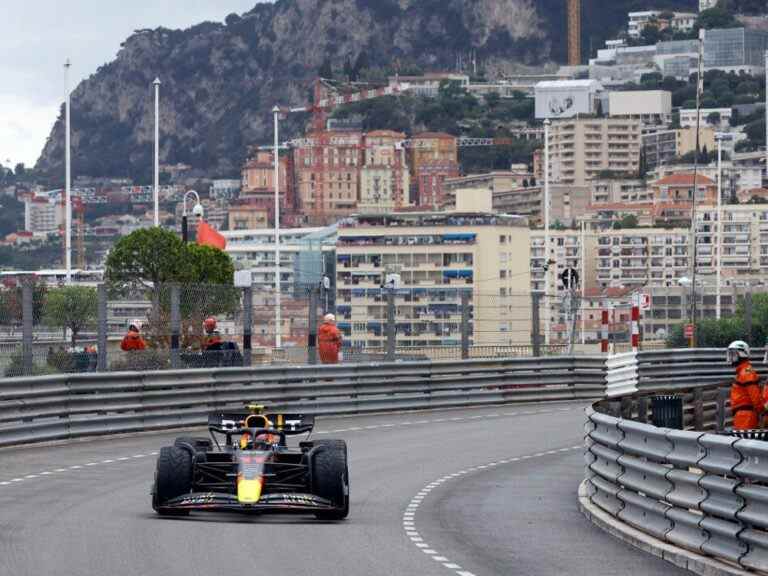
570	278
689	331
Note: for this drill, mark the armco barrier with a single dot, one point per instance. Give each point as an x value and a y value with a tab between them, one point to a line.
62	407
694	489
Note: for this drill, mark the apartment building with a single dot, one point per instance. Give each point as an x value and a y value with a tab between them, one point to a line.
722	116
662	146
618	190
495	181
327	173
582	148
678	21
258	185
438	256
651	107
384	176
247	217
744	240
254	250
42	215
433	158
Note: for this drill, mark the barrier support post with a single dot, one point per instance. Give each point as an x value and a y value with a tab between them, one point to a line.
312	324
604	329
101	347
536	324
465	324
391	327
247	326
722	397
698	409
27	324
175	325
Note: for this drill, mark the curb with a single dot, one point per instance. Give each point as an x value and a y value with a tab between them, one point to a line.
696	563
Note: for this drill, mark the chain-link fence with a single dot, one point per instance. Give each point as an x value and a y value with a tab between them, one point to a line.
88	328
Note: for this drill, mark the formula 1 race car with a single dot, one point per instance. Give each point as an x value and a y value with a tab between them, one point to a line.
255	470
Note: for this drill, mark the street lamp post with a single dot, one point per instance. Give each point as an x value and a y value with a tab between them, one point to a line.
197	210
718	270
68	178
546	233
156	191
278	319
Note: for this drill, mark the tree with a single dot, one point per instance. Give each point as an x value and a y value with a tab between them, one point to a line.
326	69
713	118
717	17
362	63
627	221
146	259
20	171
72	307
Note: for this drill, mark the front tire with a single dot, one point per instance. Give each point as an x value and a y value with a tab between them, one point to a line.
173	478
330	477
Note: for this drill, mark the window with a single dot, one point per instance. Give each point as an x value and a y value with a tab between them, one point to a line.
502	239
503	274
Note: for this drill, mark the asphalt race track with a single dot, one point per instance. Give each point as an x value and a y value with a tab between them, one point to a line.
474	492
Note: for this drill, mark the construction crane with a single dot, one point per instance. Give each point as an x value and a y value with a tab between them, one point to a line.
574	32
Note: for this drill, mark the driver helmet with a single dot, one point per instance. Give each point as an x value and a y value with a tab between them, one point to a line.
135	326
738	350
209	324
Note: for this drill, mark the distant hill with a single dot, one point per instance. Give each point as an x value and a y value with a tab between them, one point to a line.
221	80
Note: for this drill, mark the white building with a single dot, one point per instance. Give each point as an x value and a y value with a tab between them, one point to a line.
567	98
650	106
688	117
254	250
42	215
707	4
225	189
680	21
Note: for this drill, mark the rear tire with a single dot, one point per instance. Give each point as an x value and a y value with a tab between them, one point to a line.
173	478
330	477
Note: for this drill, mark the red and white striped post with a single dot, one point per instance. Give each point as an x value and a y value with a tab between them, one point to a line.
604	333
635	325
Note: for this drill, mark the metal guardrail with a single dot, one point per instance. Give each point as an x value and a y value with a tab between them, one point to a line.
59	407
693	488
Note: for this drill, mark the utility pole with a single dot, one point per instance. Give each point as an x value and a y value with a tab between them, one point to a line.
68	177
156	190
693	254
278	318
719	224
546	232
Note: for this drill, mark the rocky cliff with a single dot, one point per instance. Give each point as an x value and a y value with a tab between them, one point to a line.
219	81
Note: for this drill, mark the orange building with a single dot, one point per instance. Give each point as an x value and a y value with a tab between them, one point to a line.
258	186
327	172
678	188
384	177
434	157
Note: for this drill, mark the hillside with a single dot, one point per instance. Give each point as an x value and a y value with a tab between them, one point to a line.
221	80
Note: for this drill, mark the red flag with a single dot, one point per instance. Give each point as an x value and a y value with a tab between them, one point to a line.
207	236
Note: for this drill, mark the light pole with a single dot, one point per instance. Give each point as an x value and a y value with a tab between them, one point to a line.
156	84
197	210
278	319
68	178
718	270
546	233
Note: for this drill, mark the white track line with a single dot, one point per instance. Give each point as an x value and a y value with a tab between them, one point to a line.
409	516
337	431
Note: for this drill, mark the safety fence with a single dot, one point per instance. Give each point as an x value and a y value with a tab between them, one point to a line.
76	329
60	407
699	488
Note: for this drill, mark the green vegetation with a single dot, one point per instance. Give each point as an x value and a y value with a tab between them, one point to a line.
711	333
627	221
72	307
151	257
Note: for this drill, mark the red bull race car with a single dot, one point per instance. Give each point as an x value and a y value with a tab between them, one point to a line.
247	466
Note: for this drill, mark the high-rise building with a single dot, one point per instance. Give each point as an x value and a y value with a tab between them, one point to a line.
328	175
582	148
384	176
436	256
433	158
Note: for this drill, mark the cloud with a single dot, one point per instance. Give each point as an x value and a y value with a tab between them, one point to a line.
24	126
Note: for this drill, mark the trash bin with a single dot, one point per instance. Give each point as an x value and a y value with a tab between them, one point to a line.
667	411
750	434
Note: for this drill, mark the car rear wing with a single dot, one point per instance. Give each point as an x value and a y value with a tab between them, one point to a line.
233	422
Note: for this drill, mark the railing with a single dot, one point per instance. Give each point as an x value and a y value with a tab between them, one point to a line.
698	488
61	407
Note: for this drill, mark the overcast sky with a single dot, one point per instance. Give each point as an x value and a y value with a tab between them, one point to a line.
36	36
